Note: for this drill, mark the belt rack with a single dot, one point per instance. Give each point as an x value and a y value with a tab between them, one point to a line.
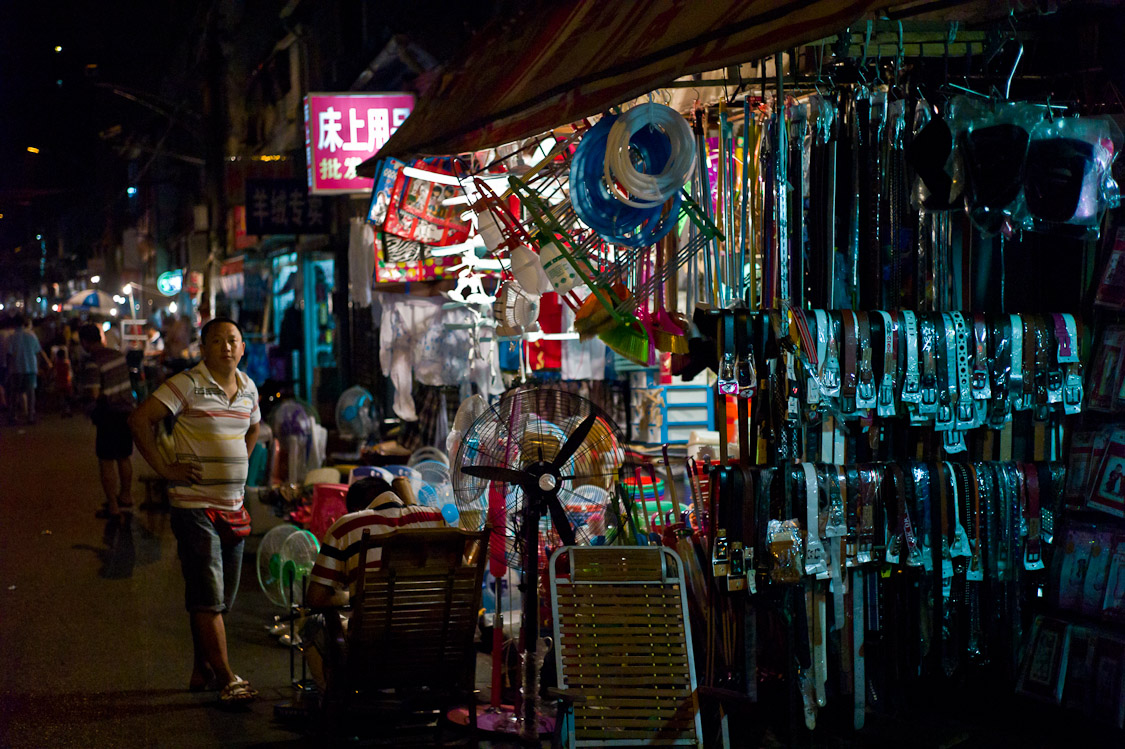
882	573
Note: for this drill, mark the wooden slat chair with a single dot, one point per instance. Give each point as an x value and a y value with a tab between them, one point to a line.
410	638
623	647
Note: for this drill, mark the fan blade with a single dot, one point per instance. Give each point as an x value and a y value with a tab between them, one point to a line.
573	441
560	521
496	473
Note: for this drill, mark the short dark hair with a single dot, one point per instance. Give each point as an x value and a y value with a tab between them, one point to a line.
363	492
219	321
90	333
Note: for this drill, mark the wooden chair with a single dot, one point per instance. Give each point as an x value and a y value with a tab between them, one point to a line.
623	647
410	638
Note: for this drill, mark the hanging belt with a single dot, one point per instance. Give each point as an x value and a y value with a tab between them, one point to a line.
1000	411
869	481
830	380
1072	384
928	405
912	380
813	386
886	403
1032	556
1042	374
866	393
850	372
1029	373
816	560
1015	380
946	350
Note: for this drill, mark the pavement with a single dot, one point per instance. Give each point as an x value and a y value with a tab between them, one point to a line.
94	637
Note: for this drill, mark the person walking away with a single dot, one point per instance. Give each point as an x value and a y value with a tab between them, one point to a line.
64	380
217	413
23	354
106	381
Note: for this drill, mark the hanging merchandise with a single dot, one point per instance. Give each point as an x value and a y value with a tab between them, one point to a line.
600	205
418	210
992	142
1069	178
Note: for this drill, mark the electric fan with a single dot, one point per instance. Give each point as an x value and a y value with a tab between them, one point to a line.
537	448
355	417
285	558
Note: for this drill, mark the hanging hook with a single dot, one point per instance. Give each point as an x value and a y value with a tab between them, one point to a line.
1012	73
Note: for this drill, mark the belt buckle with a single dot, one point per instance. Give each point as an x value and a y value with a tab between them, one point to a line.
944	418
830	379
929	402
812	389
865	390
966	413
728	383
954	441
886	403
1054	386
911	389
747	379
979	383
1072	393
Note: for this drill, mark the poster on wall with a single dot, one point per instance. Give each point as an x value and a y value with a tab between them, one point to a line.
344	130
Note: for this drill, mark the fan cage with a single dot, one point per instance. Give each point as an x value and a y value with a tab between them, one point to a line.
530	425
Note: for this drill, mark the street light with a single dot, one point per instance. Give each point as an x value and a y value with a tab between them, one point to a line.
172	307
95	279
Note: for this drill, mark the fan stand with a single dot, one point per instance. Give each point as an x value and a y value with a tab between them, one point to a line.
305	691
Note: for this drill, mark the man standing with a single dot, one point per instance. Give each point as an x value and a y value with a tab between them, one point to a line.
106	377
216	428
23	350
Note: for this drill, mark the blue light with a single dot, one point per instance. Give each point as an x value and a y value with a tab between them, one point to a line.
131	190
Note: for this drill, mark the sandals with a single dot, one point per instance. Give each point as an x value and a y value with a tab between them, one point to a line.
238	691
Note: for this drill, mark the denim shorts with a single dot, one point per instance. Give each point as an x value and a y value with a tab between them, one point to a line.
211	567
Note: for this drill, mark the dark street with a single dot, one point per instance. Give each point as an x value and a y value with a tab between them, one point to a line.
93	630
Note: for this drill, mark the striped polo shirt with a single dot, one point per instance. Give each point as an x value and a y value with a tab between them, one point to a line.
337	564
211	430
106	369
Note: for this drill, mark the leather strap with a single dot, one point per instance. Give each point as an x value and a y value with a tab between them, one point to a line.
912	380
813	392
1041	336
830	379
946	417
920	474
886	399
1015	380
928	405
816	559
869	481
981	389
975	572
960	545
1000	411
966	412
850	379
1028	360
866	392
1032	556
1066	331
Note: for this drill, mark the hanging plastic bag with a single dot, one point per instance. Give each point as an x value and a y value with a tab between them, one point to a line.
417	208
1069	176
991	159
930	154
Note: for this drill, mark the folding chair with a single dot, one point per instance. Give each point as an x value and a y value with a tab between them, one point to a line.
623	648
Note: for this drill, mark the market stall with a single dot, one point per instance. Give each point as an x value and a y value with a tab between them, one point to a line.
825	330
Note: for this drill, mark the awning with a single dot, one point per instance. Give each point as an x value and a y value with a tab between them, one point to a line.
569	60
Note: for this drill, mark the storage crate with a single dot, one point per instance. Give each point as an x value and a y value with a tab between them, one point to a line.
668	414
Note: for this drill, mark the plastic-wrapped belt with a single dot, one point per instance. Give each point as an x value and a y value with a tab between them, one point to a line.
831	379
946	356
1032	556
966	412
1000	408
912	378
928	404
866	396
850	378
886	398
1016	375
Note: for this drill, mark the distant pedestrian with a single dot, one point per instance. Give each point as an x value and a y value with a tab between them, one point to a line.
23	354
64	379
216	428
106	382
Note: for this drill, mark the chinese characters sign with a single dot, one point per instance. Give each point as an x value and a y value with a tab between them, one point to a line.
283	206
344	130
